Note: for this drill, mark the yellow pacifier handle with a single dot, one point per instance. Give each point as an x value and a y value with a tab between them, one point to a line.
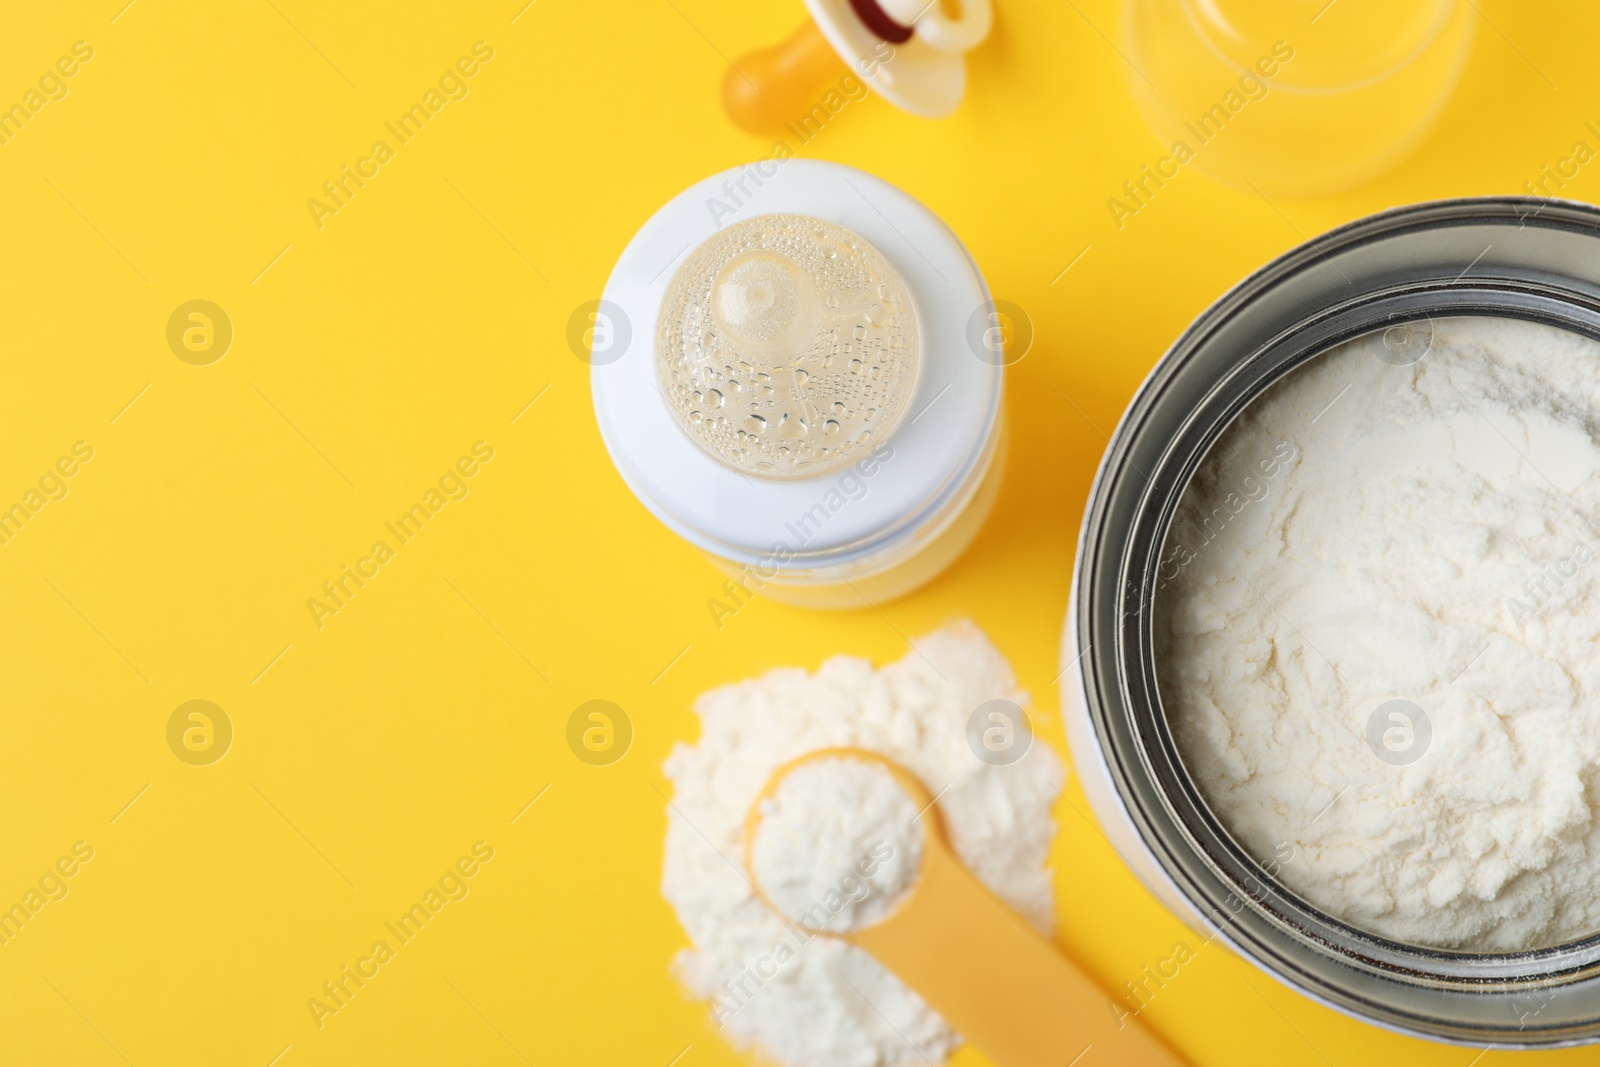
772	86
977	963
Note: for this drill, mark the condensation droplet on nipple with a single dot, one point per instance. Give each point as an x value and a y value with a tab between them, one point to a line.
796	317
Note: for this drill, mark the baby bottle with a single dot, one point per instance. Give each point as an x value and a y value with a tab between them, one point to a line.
804	380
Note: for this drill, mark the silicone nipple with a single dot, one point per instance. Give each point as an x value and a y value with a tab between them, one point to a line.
787	346
764	302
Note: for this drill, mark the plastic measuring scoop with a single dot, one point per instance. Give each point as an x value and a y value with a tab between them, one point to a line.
976	962
911	51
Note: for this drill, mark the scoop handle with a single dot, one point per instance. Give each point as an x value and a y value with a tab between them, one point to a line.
997	982
772	86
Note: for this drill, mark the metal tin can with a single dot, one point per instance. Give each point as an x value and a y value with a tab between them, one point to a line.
1521	258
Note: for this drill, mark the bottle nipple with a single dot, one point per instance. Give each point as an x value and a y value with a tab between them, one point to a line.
764	302
787	346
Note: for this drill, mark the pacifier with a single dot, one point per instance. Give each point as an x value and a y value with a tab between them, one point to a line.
911	51
928	21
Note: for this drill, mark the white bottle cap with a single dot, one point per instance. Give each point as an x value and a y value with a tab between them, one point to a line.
937	444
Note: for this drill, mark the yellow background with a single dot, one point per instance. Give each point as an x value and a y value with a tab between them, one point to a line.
426	315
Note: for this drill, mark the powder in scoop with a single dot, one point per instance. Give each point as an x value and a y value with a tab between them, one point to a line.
810	1000
838	844
1376	633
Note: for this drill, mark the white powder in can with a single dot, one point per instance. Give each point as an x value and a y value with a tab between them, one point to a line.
810	1000
1376	633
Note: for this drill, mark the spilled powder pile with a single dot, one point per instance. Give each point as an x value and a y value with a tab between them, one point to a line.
809	1000
1377	633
